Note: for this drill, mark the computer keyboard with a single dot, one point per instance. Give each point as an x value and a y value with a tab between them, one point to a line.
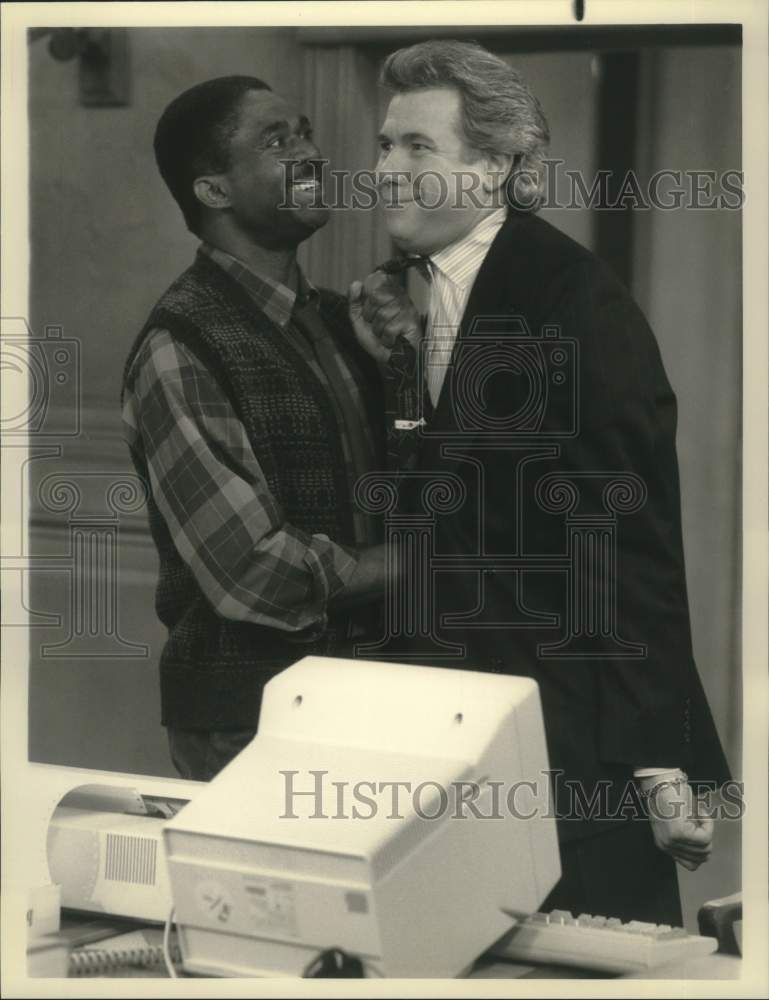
603	944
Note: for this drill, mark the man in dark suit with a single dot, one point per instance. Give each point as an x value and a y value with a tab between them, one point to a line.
543	402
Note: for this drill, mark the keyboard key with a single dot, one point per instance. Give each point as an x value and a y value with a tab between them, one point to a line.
641	927
673	934
600	943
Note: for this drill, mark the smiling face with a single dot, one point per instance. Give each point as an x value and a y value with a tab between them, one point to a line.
273	162
433	188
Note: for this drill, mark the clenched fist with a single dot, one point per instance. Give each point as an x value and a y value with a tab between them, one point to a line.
380	312
679	827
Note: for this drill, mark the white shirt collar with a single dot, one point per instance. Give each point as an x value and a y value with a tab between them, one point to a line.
460	261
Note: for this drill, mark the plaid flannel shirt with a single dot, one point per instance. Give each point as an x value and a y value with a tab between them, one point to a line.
211	490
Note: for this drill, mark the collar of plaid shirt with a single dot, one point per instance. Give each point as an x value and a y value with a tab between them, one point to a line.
276	300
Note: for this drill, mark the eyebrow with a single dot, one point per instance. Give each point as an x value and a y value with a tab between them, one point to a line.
409	137
283	123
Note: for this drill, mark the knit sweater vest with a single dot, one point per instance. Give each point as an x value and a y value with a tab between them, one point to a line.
212	669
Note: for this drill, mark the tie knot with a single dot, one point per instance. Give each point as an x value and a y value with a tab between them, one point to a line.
396	265
425	266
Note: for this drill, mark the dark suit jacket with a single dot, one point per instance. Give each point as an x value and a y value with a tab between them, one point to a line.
537	426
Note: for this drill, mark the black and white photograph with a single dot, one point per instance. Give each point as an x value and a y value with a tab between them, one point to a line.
384	449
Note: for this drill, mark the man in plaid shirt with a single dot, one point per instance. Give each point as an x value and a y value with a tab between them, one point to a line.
251	412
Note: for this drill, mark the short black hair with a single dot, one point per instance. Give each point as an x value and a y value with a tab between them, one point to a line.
193	135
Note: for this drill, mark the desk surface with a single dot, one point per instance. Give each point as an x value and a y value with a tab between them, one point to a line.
703	967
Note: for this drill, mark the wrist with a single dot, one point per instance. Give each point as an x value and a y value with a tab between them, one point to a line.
672	784
647	777
647	772
673	776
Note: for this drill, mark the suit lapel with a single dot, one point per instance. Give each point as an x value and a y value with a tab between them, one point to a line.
499	287
495	289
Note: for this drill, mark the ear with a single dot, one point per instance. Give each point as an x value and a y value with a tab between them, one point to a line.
212	191
498	167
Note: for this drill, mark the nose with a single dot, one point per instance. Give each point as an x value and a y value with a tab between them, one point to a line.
393	171
310	150
390	161
301	149
392	185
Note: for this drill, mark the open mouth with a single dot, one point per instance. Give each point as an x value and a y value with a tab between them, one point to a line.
305	193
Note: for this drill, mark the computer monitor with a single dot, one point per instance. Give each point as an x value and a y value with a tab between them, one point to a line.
392	811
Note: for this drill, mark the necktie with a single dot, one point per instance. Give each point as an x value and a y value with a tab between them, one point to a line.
397	265
436	353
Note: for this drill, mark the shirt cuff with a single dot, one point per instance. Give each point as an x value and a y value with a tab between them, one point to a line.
653	772
332	566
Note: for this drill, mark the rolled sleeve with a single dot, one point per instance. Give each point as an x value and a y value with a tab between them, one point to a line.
251	564
332	566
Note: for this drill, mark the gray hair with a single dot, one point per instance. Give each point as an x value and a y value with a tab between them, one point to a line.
500	114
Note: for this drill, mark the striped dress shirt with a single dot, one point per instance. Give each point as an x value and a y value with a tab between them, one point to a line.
453	271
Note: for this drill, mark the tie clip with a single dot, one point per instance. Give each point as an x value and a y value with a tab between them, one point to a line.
409	425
